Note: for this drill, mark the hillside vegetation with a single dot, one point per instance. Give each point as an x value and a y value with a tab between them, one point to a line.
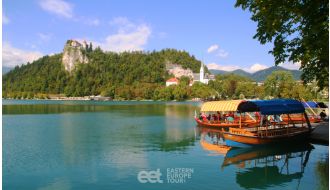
141	75
125	74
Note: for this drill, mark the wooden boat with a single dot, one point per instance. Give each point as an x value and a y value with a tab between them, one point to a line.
299	118
225	106
246	123
245	138
270	132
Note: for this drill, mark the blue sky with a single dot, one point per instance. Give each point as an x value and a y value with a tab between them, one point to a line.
214	31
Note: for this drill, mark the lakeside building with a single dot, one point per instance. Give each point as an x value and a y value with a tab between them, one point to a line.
202	76
172	81
197	77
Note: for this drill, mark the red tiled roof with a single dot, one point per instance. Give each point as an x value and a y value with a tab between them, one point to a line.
172	80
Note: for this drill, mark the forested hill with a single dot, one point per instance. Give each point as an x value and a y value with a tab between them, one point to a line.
263	74
106	72
259	75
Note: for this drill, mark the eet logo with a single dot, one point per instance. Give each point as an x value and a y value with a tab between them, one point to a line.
150	176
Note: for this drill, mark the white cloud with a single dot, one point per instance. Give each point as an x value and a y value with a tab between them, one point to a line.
58	7
253	68
12	56
5	19
220	67
291	66
162	35
92	22
122	21
45	37
222	53
129	36
219	52
212	48
256	67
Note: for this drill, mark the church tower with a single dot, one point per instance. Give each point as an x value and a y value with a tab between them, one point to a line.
201	73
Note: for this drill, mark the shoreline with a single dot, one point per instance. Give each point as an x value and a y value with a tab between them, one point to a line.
99	100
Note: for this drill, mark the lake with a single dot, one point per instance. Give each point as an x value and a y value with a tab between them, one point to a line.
141	145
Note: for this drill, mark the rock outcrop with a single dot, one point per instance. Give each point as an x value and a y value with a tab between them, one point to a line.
73	54
178	71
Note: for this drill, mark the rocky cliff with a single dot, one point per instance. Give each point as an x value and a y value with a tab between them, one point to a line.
73	54
178	71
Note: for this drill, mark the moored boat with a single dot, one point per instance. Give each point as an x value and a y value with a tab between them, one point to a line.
223	114
299	118
270	131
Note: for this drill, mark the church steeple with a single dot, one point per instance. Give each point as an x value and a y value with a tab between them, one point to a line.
201	73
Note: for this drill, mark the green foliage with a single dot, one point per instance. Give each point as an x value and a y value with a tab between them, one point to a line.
184	80
230	85
90	47
45	75
299	31
163	93
127	75
139	76
180	92
246	89
279	84
108	92
200	90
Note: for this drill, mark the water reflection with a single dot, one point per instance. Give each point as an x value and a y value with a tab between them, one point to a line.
259	167
103	145
322	171
93	144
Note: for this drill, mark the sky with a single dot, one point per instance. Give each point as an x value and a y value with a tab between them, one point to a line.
215	32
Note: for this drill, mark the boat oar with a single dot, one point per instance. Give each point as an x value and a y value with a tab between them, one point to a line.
251	116
309	107
316	104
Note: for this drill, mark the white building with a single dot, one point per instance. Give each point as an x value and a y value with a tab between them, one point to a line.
202	76
172	81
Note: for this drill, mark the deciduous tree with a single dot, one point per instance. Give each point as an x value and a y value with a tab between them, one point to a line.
299	31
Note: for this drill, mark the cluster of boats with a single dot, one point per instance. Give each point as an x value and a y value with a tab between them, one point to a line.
247	123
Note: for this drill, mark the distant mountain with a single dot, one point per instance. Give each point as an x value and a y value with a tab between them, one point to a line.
6	69
218	72
237	72
242	73
259	75
262	74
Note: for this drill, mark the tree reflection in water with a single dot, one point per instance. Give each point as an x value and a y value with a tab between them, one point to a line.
322	172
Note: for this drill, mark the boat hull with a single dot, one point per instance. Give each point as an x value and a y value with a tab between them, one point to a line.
243	141
299	120
226	125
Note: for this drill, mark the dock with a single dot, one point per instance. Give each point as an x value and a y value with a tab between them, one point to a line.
320	133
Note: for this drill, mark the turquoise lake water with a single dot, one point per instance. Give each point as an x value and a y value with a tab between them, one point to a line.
106	145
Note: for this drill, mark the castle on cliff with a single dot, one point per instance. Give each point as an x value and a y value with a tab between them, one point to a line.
73	54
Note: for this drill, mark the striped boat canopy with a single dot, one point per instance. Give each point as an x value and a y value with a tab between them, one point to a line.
230	105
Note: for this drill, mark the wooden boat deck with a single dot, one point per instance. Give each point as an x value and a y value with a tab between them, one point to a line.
267	132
